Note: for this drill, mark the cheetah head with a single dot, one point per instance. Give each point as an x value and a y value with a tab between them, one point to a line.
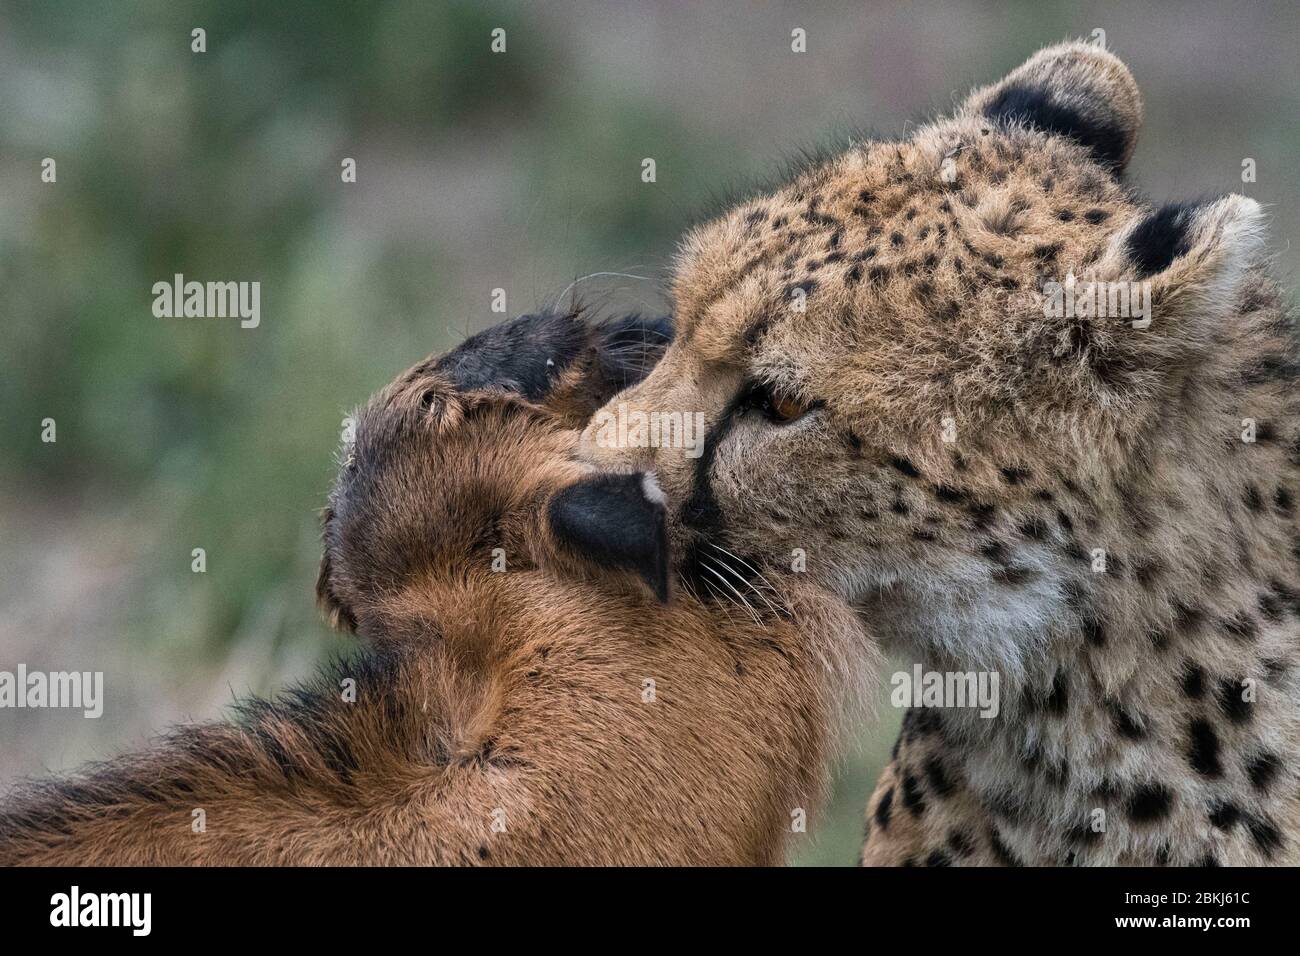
895	402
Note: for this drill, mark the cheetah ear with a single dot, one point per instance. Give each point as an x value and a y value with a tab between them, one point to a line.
1196	260
1196	256
1077	90
615	521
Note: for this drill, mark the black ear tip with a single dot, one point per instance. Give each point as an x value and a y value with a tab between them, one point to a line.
616	521
1107	141
1160	238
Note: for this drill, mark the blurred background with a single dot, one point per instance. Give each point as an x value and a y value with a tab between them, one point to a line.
475	171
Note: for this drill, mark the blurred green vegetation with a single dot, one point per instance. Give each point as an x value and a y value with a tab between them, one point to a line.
475	171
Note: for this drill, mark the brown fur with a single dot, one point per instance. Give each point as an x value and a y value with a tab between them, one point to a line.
500	718
965	452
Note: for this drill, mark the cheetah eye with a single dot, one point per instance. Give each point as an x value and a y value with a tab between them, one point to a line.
778	406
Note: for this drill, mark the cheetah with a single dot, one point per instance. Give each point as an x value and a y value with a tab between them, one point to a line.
1097	505
547	710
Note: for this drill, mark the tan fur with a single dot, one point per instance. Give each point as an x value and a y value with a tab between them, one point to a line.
966	452
501	718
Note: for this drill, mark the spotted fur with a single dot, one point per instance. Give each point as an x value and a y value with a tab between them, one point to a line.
1065	500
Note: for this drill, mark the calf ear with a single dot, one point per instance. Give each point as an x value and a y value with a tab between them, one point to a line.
340	616
615	521
1075	90
531	355
523	356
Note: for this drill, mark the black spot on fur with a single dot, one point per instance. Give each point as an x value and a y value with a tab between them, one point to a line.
1270	605
1187	617
1014	476
905	466
1287	596
1014	576
1203	749
1239	711
807	286
1001	852
1270	368
1009	804
1266	835
983	514
1034	528
1037	108
1193	680
1149	803
1242	627
1084	834
950	495
913	799
1057	773
960	844
1058	700
885	808
1263	770
922	721
1125	724
757	330
938	777
1148	572
938	858
996	552
1160	238
1094	632
1224	815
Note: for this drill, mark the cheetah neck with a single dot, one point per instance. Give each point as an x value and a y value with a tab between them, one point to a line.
1149	676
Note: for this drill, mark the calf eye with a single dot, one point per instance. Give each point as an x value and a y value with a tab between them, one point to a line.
776	405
